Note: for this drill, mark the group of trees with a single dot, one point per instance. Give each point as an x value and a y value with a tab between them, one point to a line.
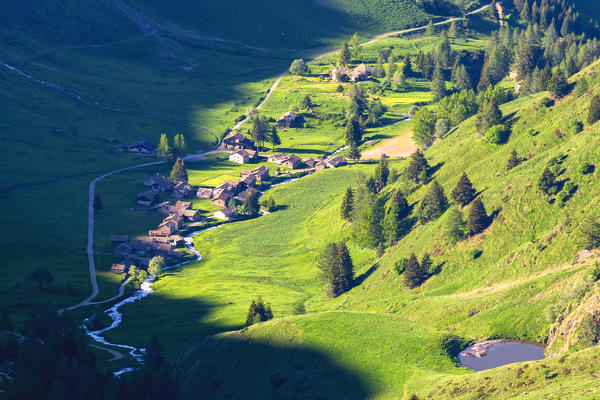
416	273
337	268
53	361
164	150
360	115
155	268
258	312
262	131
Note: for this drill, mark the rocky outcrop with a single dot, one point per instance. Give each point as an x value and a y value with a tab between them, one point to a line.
578	327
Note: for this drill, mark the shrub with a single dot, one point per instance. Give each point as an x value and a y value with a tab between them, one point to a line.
496	134
532	132
566	192
585	168
574	127
400	265
412	111
474	254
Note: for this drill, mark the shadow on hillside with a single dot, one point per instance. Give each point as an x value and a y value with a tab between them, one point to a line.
362	277
236	366
435	168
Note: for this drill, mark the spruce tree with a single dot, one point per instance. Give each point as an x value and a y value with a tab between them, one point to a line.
178	173
346	271
251	205
354	153
274	137
355	47
396	213
417	167
164	150
489	115
307	103
455	226
382	173
558	86
374	227
433	204
477	218
424	127
463	192
546	181
413	274
347	204
589	236
438	85
345	55
453	30
426	264
258	312
513	160
179	146
594	110
407	69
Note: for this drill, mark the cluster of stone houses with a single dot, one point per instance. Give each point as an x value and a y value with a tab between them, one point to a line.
159	183
360	73
230	193
294	162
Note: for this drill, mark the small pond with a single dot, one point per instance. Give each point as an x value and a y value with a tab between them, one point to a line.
494	353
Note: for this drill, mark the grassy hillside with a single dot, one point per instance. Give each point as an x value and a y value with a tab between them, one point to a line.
527	265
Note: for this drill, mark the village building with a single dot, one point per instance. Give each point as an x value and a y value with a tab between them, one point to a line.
320	165
261	173
243	156
119	268
233	186
116	240
192	215
290	120
143	147
249	180
221	198
226	214
277	158
237	141
182	190
336	162
292	162
149	198
177	241
204	193
340	74
159	183
310	162
241	198
361	73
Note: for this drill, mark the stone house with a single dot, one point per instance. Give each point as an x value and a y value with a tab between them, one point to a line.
204	193
149	198
143	147
290	120
292	162
237	141
243	156
182	190
226	214
361	73
159	183
336	162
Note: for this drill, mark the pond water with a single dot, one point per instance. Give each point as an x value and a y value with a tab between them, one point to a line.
495	353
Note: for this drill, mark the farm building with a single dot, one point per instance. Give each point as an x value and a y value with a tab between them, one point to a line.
226	214
290	120
182	190
261	173
340	74
361	73
221	198
336	162
237	141
159	182
149	198
292	162
204	193
243	156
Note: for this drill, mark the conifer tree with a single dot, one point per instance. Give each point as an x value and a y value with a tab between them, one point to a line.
382	173
513	160
424	127
546	181
164	150
417	167
413	274
430	29
178	173
455	225
461	79
463	192
392	222
433	204
347	204
307	103
477	218
407	69
260	130
438	85
258	312
399	80
274	137
355	47
374	227
337	267
426	263
594	110
453	30
489	115
558	86
379	69
345	55
251	205
589	236
346	271
353	152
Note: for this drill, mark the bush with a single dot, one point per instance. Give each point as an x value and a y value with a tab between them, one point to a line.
574	127
585	168
496	134
339	89
400	265
474	254
532	132
412	111
566	192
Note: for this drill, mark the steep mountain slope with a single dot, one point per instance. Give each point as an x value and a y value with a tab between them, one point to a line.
511	281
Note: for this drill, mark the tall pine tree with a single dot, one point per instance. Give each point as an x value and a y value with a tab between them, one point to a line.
433	204
477	218
347	204
178	173
417	167
414	275
463	192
